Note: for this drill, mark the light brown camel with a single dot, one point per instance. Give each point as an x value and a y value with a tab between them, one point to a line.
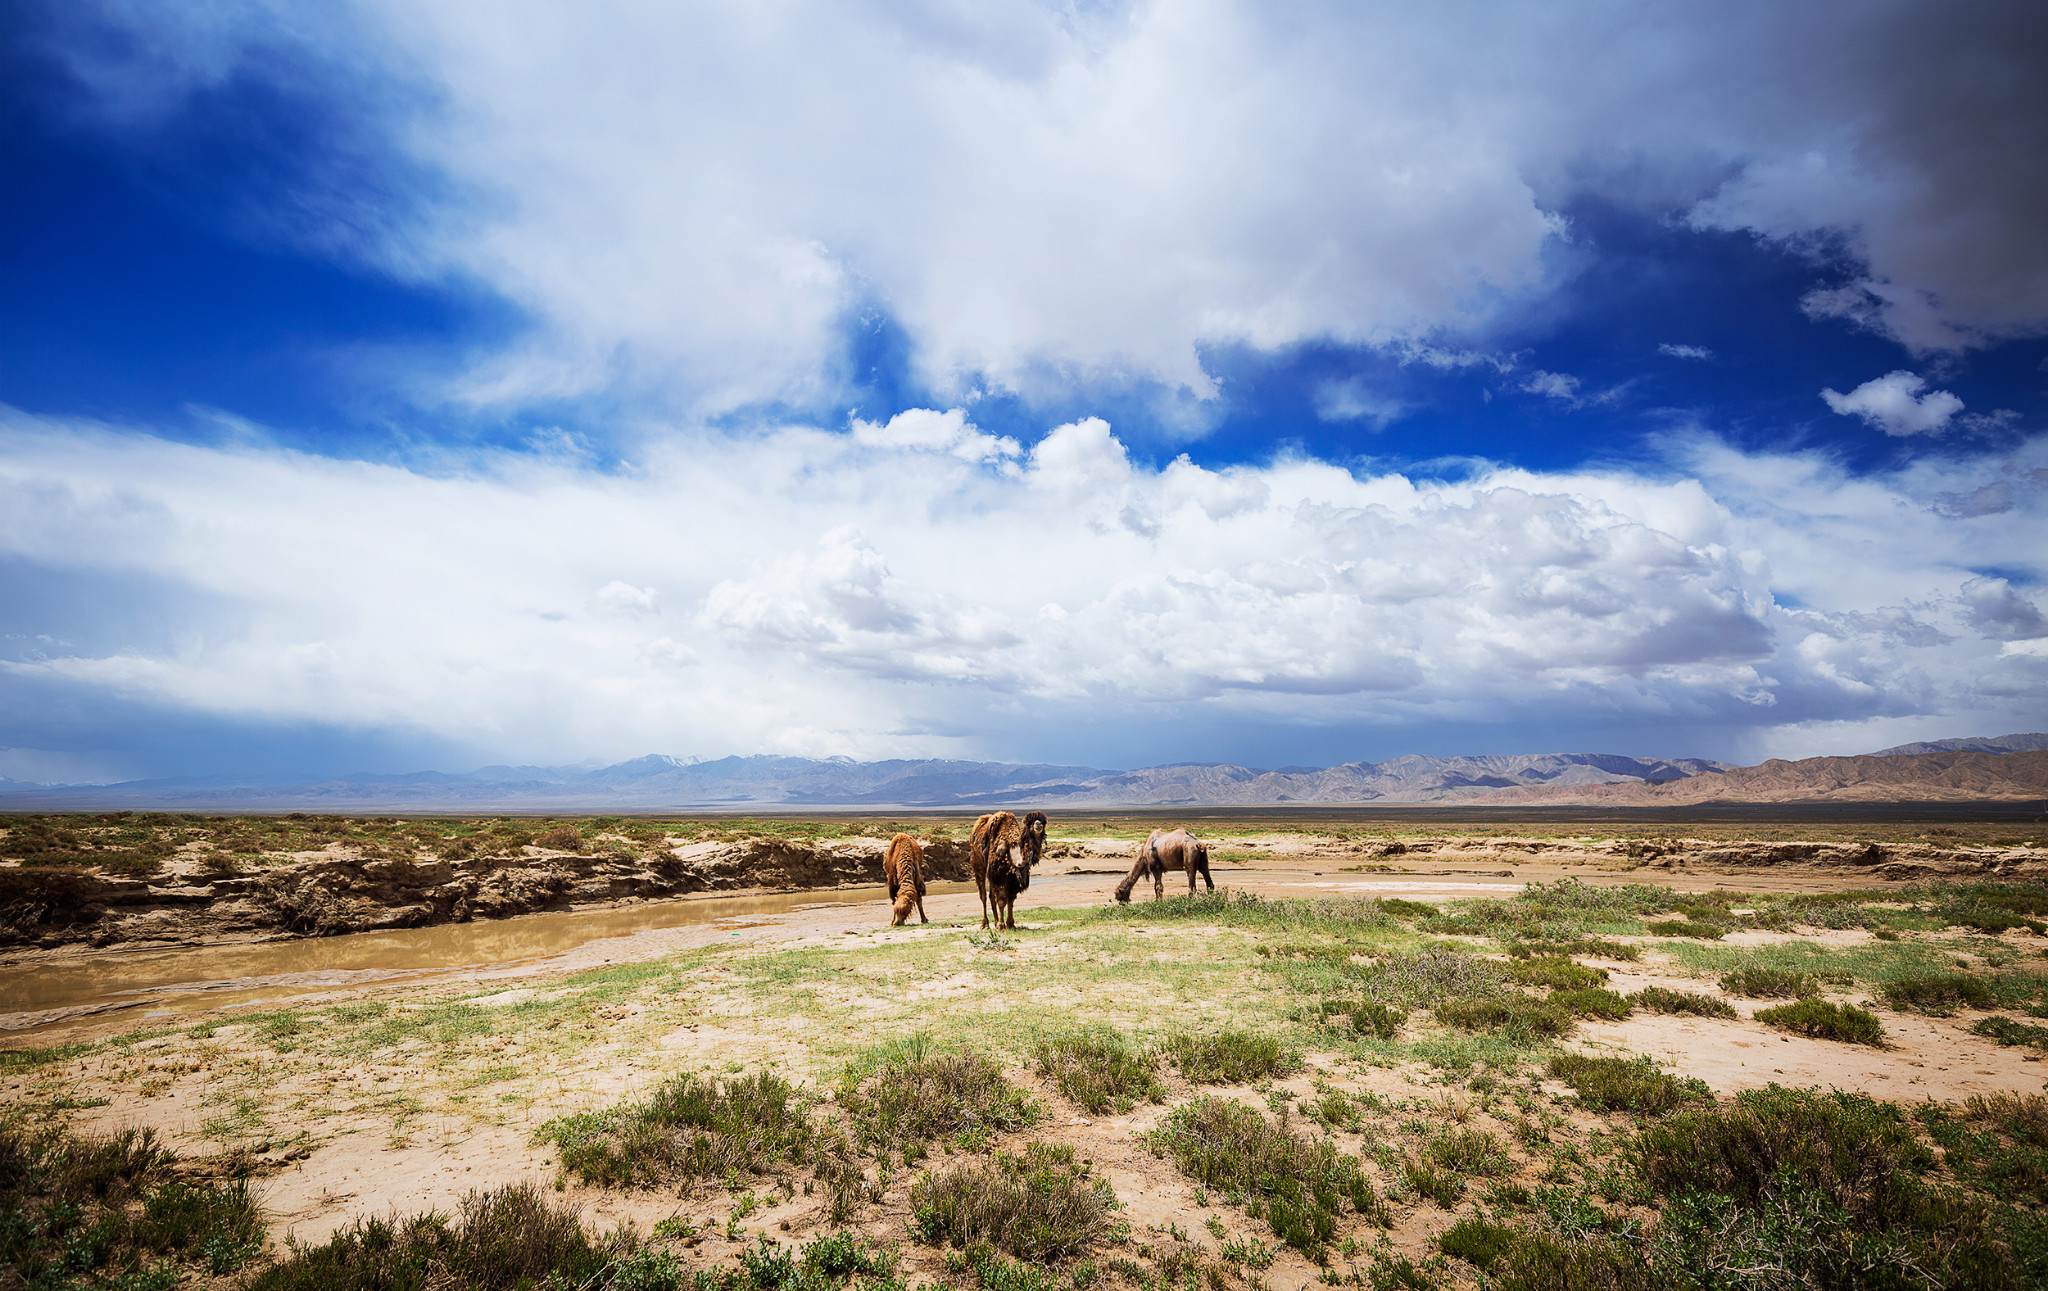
1161	852
1001	852
904	868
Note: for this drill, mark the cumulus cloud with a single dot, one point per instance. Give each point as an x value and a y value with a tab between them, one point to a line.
1554	385
936	432
821	594
1893	403
695	196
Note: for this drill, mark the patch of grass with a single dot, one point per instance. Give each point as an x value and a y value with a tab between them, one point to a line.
1100	1072
1769	983
962	1096
1469	1151
1597	947
1401	908
1826	1187
1939	993
1554	971
1477	1242
1821	1020
1594	1002
1514	1014
1440	1184
1366	1017
1658	999
1626	1085
1037	1206
13	1060
692	1127
105	1210
1687	928
1298	1185
2010	1031
1230	1057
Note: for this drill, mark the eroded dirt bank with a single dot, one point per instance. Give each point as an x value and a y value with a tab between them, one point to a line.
211	898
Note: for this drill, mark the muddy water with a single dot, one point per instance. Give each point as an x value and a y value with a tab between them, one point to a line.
199	978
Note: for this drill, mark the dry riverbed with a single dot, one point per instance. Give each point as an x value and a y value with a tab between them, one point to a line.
1322	996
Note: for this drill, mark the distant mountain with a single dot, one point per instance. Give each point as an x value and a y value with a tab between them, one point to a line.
657	783
1958	776
2033	743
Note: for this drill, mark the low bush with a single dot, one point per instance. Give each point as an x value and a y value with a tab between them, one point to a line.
1440	1184
1686	928
1769	983
1597	947
1469	1151
1366	1017
1657	999
1516	1014
1404	909
1100	1073
1037	1206
1626	1085
1594	1002
961	1096
1477	1242
1230	1057
1821	1020
1299	1184
2011	1031
693	1127
1553	971
1937	992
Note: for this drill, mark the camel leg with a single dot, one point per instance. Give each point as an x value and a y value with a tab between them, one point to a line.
920	909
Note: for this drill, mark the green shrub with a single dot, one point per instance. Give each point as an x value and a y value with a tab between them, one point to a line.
1769	983
692	1127
502	1240
1299	1184
1599	947
1476	1242
1230	1057
2010	1031
1440	1184
1469	1151
1824	1021
1100	1073
1554	971
1404	909
1626	1085
910	1099
1037	1206
1657	999
1594	1002
1516	1014
1687	928
1937	992
1367	1017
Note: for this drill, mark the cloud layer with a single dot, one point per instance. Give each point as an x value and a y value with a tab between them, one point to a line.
692	197
888	593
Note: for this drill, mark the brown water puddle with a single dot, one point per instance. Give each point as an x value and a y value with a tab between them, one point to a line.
196	979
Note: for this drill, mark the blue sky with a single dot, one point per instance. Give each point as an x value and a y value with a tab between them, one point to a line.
393	386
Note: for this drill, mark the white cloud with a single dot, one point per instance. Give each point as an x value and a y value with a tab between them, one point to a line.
1353	400
937	432
1554	385
1893	403
820	594
1701	352
692	196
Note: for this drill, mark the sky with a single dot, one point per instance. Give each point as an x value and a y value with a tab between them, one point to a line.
391	386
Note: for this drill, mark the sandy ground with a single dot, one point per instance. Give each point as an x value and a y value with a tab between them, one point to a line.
356	1163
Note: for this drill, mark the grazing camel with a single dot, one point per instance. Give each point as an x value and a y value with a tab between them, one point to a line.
904	868
1001	852
1177	851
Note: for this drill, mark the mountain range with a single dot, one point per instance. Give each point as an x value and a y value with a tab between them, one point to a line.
658	783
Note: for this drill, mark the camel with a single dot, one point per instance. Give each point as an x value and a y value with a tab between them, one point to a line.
1001	852
1178	851
904	868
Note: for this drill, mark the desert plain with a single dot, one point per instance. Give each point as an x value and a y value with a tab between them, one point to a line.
1389	1049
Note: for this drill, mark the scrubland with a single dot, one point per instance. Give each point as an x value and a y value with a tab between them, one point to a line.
1606	1083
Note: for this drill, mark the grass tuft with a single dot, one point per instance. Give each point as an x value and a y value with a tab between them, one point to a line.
693	1127
1626	1085
1298	1185
1938	993
1230	1057
1038	1206
1514	1014
1657	999
961	1096
1554	971
1821	1020
1753	982
1100	1073
1594	1002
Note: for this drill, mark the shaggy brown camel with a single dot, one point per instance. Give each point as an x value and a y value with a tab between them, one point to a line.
1161	852
1001	852
904	868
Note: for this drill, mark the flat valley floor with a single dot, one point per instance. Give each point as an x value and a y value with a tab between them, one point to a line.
1506	1061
